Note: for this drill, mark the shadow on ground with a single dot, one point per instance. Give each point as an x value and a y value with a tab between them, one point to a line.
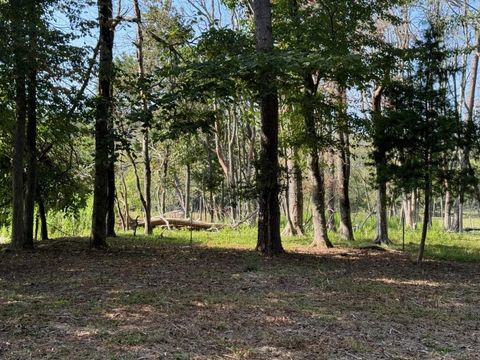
179	302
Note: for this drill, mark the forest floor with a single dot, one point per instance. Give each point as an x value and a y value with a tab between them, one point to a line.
161	300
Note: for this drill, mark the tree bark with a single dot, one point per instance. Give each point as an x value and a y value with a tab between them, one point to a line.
187	192
137	178
447	210
426	216
125	200
346	229
43	219
111	194
320	237
164	179
331	190
147	178
102	120
269	240
380	166
20	68
31	174
294	195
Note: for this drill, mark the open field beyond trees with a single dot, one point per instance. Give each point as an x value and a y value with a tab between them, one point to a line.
150	298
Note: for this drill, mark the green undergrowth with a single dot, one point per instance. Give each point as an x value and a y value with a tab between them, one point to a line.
441	245
464	247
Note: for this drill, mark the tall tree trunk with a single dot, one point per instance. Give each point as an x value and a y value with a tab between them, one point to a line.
294	195
120	214
426	216
331	190
20	68
296	198
111	193
43	219
346	229
102	120
125	200
320	237
380	166
164	179
407	209
382	220
137	178
187	192
147	181
31	174
447	211
269	240
414	203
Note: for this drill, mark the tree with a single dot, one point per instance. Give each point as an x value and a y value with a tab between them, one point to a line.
103	123
423	122
380	145
269	240
146	131
16	10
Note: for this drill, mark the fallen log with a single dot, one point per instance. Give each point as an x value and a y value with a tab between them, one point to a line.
179	223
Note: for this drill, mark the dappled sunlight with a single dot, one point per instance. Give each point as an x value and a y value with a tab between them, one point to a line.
416	282
85	333
139	312
230	303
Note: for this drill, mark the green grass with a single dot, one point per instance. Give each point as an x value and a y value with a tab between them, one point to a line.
441	245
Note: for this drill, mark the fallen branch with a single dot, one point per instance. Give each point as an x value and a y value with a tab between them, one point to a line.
180	223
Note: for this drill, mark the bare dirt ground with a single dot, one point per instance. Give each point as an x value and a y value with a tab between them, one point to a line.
64	301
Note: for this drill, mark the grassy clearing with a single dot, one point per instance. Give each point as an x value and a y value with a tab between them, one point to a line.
464	247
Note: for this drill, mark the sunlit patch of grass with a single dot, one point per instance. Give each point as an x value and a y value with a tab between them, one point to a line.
441	245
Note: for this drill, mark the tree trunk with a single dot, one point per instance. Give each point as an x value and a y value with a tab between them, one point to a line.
414	205
125	200
102	120
187	192
31	174
447	211
147	181
18	233
164	180
382	220
426	216
269	240
407	209
331	190
111	193
43	219
137	180
380	166
320	237
346	229
123	221
212	206
295	196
